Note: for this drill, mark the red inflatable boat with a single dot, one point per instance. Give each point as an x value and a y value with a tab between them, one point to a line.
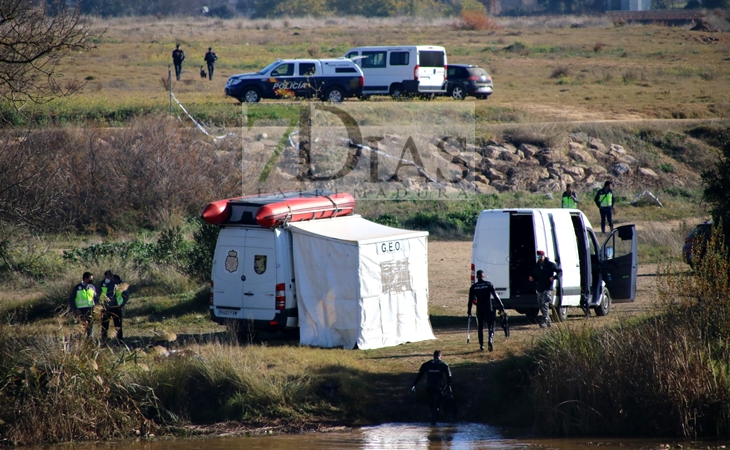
276	209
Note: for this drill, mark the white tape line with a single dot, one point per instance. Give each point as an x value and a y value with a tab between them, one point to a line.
200	127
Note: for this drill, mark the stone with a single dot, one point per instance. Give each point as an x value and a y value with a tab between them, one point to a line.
617	148
494	174
596	144
574	171
509	157
580	155
620	169
529	150
647	172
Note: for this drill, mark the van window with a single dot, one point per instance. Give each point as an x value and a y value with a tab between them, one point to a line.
307	69
351	55
431	58
284	70
373	59
345	70
399	58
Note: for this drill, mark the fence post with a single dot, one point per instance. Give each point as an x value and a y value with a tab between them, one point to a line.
169	82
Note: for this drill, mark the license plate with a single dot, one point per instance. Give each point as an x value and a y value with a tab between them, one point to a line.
227	312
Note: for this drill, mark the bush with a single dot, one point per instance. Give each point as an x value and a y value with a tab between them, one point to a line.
475	20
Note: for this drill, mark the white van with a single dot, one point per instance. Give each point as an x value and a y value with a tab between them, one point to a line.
399	70
342	280
594	276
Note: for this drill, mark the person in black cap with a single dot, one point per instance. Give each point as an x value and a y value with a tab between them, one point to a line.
481	294
436	371
604	200
543	274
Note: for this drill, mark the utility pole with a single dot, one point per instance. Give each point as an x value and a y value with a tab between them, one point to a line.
169	83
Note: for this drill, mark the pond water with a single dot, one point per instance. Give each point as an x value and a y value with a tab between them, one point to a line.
411	436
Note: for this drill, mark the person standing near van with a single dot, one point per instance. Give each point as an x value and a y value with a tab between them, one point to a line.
210	59
436	372
82	300
570	199
604	200
178	56
544	274
481	294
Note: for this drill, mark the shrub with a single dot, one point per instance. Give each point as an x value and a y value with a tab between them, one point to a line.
475	20
560	72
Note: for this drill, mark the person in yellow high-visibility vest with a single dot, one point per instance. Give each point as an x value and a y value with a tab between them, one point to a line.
570	199
604	200
82	300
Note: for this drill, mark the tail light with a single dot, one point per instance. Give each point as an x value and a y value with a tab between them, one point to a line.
362	81
415	72
280	296
473	78
473	274
210	298
446	73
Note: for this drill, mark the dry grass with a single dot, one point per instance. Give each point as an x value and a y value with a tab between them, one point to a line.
656	54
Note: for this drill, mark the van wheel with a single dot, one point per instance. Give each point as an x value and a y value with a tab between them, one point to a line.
251	95
604	306
457	92
559	313
396	91
532	315
335	95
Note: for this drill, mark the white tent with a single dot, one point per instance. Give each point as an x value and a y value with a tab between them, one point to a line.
360	284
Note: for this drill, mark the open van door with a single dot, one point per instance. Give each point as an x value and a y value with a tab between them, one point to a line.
620	263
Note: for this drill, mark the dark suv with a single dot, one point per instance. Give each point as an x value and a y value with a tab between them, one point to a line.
700	233
468	79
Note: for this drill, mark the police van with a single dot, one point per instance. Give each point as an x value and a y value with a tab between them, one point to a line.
327	79
593	275
399	70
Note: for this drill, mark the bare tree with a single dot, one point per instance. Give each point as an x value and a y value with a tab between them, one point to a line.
34	36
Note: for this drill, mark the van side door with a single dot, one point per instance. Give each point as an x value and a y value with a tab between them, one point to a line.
567	257
258	279
491	250
620	263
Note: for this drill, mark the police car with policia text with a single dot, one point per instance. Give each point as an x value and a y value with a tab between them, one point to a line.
327	79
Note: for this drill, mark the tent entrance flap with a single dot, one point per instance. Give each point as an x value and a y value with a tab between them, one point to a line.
360	284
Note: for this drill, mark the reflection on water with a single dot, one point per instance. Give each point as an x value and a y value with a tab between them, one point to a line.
412	436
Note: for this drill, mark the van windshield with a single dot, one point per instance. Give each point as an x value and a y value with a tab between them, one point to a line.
431	58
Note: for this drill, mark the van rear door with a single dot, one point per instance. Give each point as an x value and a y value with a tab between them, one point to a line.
620	263
430	70
567	257
227	272
259	275
490	251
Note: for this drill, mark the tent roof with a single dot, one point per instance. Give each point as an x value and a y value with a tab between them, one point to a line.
353	229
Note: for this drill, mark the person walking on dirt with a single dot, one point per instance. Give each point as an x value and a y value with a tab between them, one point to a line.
178	56
82	300
570	199
543	274
210	59
436	371
604	200
481	294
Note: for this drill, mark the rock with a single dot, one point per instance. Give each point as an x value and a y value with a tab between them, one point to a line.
617	148
620	169
509	157
502	186
574	171
575	146
597	144
492	151
645	171
263	136
580	155
597	170
529	150
480	178
494	174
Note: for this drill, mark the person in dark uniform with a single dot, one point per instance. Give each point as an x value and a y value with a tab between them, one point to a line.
604	200
543	274
481	294
178	56
436	371
569	199
82	300
210	59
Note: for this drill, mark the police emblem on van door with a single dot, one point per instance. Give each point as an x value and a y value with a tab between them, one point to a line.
259	264
232	261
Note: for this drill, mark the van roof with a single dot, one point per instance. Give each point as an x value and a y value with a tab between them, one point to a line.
398	47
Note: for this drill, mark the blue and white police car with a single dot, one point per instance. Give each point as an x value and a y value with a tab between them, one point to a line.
327	79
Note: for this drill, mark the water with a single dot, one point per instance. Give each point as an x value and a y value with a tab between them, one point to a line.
411	436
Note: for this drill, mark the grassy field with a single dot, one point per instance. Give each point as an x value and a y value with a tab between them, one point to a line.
181	369
570	68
